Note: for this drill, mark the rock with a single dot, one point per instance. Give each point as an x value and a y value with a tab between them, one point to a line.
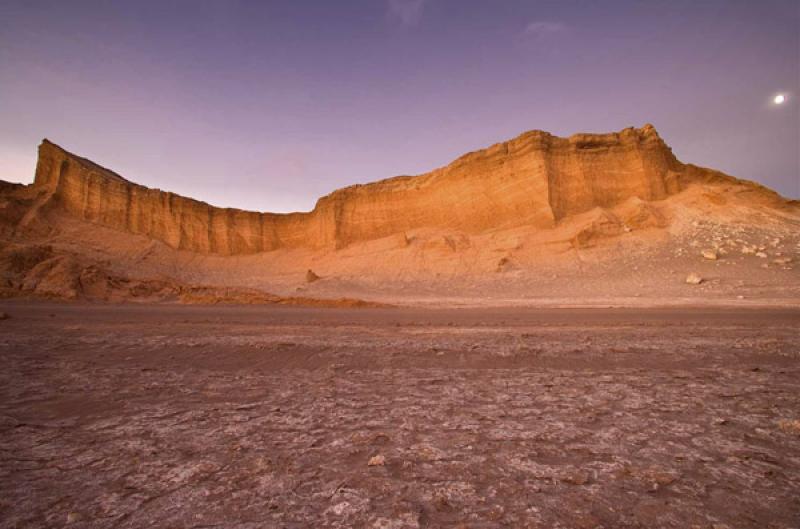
543	175
790	426
505	264
602	224
537	191
749	250
377	461
576	477
58	277
22	258
761	255
4	316
782	260
74	517
694	279
637	214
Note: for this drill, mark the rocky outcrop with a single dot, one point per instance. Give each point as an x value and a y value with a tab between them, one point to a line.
535	179
43	272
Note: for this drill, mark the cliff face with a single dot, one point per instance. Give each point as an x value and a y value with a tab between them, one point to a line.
536	179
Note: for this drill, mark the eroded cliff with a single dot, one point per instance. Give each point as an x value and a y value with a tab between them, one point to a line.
535	179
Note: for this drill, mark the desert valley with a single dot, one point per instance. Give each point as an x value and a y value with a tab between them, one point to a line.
399	264
551	332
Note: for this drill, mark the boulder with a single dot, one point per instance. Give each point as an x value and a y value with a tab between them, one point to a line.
377	461
693	279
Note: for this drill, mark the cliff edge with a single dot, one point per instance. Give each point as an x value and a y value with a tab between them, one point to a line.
536	179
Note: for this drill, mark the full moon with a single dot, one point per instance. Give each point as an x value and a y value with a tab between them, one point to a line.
779	99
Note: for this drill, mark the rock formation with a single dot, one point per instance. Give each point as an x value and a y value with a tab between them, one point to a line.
537	217
536	179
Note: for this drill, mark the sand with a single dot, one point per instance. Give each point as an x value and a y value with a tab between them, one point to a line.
195	416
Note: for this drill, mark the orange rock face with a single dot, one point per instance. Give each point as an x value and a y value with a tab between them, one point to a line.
535	179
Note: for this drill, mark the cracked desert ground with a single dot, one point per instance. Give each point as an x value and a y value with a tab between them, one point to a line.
251	417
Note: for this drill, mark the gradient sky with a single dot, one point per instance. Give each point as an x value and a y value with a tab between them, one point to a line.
268	105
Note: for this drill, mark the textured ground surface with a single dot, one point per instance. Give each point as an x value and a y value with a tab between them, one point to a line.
121	416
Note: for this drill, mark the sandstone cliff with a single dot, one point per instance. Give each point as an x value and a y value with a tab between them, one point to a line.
536	179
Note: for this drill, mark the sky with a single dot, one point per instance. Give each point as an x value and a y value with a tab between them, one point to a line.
268	105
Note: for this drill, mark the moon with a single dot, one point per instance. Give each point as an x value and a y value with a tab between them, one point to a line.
779	99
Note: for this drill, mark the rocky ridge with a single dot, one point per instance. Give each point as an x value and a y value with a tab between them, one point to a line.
536	179
592	216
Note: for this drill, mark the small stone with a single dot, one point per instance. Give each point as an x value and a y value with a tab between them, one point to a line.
377	461
748	250
73	517
4	316
761	255
311	276
504	264
711	255
576	477
779	261
790	426
694	279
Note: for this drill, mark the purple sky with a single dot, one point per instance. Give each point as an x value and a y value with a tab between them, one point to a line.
268	105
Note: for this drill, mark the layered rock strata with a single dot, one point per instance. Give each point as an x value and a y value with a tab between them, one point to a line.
536	179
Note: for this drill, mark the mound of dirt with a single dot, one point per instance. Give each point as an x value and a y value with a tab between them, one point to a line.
602	224
39	272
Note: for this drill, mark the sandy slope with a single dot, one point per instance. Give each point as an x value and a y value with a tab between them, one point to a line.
595	258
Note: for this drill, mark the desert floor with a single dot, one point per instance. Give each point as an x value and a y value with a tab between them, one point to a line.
244	417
